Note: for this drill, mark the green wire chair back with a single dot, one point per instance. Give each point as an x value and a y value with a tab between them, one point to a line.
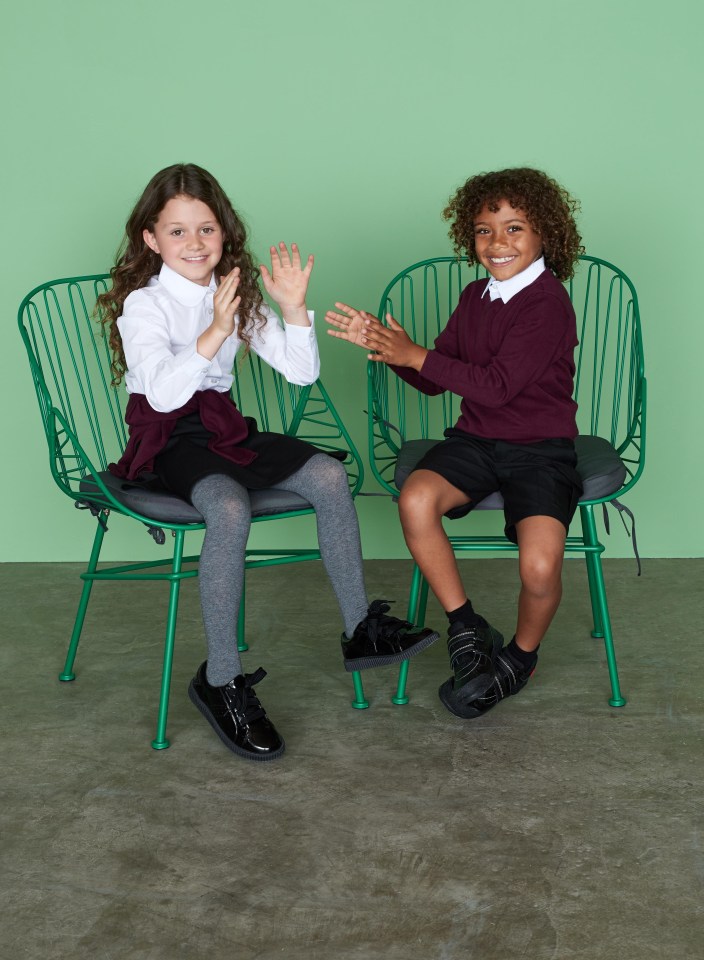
610	385
83	415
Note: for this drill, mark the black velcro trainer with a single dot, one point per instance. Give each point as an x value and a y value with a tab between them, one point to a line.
379	640
510	678
472	653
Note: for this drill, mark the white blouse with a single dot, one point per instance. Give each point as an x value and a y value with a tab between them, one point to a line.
161	323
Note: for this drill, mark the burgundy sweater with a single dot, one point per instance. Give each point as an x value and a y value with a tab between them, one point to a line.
512	363
149	431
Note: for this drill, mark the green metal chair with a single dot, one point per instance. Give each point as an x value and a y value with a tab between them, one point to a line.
84	425
610	389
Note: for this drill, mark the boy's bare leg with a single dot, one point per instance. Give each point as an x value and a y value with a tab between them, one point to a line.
424	498
541	546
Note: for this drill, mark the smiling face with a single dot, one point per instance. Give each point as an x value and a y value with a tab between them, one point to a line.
188	238
505	241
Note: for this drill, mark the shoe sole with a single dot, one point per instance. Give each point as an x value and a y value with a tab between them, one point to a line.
458	708
368	663
203	708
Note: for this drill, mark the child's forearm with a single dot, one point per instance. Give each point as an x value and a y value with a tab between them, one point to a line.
296	316
210	341
417	380
414	357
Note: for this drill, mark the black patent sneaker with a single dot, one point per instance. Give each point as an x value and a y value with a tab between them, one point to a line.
472	653
511	677
380	640
236	715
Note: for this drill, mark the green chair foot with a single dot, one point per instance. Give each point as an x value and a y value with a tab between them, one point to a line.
597	635
617	702
360	702
65	677
241	647
160	744
400	698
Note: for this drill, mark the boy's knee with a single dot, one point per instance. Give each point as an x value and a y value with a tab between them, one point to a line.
540	572
416	500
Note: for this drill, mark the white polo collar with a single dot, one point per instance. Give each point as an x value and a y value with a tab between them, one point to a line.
185	291
509	288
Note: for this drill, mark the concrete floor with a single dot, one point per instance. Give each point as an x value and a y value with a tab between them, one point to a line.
555	827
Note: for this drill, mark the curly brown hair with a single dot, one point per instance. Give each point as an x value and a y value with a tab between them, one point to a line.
549	208
136	262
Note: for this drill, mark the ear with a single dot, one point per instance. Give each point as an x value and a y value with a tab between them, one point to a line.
150	241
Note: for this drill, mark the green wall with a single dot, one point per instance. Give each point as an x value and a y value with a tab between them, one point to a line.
346	127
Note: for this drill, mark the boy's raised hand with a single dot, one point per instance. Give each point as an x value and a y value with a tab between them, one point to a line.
389	344
287	282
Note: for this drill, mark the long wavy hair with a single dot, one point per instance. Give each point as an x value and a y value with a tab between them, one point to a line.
136	262
549	208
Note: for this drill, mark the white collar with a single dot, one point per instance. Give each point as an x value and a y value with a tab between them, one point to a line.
185	291
509	288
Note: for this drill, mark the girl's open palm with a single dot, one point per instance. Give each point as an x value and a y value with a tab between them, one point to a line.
352	325
287	282
387	344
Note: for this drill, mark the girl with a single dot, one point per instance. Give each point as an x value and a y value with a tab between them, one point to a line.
184	297
507	351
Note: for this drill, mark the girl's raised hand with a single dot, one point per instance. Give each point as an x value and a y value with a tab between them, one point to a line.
226	302
287	282
351	324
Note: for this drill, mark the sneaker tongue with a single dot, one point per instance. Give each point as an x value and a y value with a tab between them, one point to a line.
378	607
250	679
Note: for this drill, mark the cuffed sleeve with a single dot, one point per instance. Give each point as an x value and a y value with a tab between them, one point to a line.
288	348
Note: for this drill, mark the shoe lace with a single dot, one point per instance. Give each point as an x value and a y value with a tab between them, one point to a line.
245	700
381	626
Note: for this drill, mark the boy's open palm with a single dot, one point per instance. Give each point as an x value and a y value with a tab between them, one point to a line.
287	282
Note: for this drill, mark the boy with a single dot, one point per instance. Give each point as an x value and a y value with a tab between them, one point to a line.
507	351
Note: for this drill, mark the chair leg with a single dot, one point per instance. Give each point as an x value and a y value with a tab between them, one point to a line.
67	673
415	594
417	602
242	644
599	602
598	628
423	604
160	742
359	702
401	697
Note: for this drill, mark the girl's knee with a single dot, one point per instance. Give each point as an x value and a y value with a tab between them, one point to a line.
322	481
222	502
329	473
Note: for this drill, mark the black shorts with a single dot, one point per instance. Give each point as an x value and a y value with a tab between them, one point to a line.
535	479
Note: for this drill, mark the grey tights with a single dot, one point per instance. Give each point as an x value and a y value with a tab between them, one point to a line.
224	504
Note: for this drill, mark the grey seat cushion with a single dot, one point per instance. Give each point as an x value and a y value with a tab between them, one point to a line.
598	464
167	508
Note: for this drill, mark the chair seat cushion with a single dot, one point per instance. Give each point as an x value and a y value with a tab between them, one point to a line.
598	464
165	507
